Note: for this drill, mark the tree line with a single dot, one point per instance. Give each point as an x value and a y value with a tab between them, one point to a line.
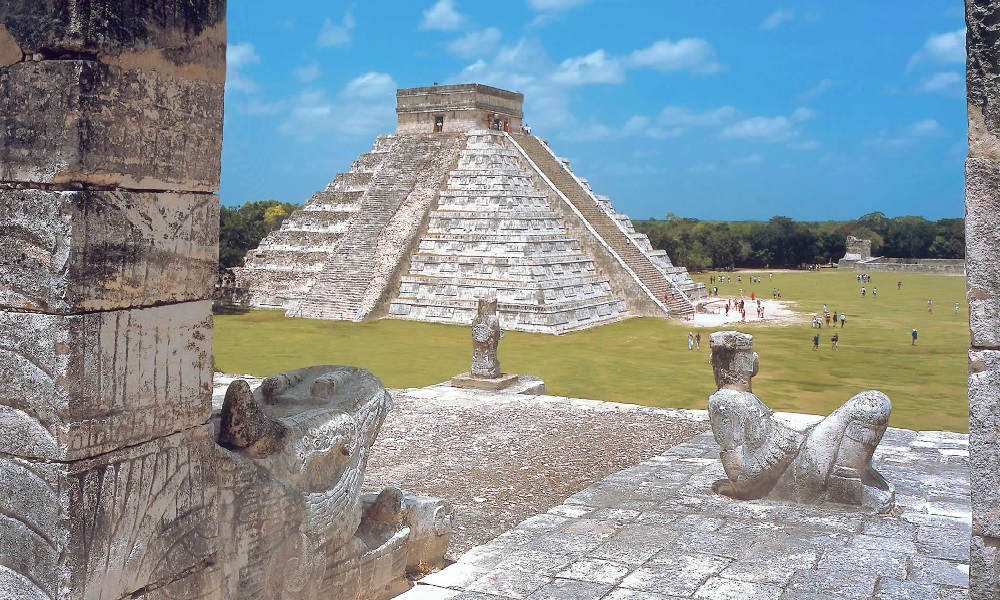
784	242
242	228
779	242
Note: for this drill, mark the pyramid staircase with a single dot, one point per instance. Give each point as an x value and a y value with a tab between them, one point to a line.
492	231
354	279
649	274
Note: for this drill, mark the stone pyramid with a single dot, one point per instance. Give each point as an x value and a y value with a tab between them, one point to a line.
454	206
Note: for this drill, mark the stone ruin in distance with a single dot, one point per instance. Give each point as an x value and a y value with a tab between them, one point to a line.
454	206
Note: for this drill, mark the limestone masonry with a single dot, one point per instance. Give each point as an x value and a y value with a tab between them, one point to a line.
453	207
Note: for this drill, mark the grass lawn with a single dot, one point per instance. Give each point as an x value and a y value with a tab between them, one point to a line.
646	361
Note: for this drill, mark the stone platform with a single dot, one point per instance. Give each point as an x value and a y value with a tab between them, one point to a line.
656	532
468	381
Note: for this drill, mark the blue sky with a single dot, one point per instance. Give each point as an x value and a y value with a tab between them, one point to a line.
712	110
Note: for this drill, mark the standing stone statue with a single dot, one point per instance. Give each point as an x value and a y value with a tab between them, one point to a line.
763	457
486	335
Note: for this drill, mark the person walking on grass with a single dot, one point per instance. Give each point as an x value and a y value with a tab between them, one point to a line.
843	319
816	342
836	340
697	341
914	336
874	292
930	306
956	308
690	341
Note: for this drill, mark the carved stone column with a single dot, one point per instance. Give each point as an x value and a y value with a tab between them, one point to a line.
982	223
110	141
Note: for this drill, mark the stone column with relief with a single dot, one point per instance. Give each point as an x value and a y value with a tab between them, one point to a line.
110	140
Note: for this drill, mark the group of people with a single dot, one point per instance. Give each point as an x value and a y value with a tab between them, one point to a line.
740	306
694	341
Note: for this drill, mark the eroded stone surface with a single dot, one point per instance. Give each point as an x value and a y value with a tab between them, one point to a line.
764	457
184	37
982	199
90	250
983	77
73	386
486	336
164	134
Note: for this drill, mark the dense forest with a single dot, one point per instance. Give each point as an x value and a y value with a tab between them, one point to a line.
242	228
784	242
779	242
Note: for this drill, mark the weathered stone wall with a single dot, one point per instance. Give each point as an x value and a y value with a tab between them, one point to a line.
982	234
110	140
935	266
465	107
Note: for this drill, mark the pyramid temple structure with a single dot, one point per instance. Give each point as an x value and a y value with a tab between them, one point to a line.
455	205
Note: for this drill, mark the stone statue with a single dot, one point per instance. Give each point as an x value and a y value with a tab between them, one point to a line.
486	335
297	451
763	457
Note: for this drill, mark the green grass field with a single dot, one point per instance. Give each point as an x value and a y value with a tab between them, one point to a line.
646	361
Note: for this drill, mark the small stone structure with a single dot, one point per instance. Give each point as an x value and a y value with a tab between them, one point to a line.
112	480
927	266
763	457
857	250
486	335
453	206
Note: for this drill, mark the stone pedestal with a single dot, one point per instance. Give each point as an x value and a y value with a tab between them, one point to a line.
469	381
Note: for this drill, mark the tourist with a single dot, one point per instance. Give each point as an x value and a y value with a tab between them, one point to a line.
727	308
816	342
899	285
874	292
843	319
779	294
914	336
774	293
956	308
770	276
930	306
862	291
697	340
690	341
836	340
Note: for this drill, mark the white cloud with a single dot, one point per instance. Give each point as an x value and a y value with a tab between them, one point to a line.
776	18
762	129
751	159
945	82
364	107
596	67
442	16
476	43
238	57
333	35
817	90
688	54
308	73
370	86
803	114
906	136
674	121
804	145
942	48
555	5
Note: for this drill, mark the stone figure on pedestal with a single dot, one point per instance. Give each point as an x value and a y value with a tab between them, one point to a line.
764	457
486	336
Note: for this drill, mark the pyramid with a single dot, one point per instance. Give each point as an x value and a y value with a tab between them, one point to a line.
454	206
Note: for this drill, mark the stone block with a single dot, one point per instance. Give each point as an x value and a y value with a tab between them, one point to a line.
984	443
982	224
84	251
984	568
982	79
165	131
469	381
176	36
75	386
109	527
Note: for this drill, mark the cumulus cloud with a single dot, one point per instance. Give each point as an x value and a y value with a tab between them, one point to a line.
364	107
476	44
803	114
674	121
945	82
817	90
442	16
941	48
333	35
775	19
909	135
308	73
761	129
596	67
688	54
238	57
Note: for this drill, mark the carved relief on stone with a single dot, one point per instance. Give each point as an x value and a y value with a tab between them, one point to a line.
486	335
763	457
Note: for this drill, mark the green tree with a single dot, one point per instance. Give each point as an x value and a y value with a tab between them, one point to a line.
241	229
